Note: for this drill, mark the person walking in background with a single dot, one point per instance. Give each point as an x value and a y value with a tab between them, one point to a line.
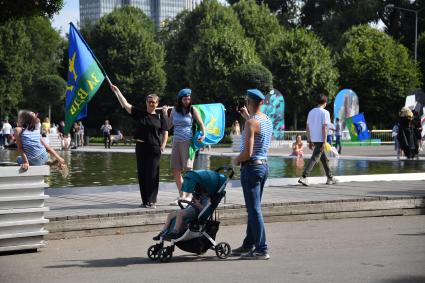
318	120
181	118
80	133
76	134
106	130
45	127
331	130
338	134
151	137
5	133
256	139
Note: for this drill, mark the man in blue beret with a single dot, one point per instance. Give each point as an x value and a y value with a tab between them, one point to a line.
255	143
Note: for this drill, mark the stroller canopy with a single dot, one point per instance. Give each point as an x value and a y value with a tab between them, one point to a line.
210	180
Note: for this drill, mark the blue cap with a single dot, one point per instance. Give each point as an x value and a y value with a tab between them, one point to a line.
184	92
255	94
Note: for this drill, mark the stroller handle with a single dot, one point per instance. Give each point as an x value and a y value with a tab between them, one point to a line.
226	170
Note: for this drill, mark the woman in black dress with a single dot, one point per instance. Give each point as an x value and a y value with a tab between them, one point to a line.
151	137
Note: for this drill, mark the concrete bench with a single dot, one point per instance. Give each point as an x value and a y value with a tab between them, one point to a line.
22	221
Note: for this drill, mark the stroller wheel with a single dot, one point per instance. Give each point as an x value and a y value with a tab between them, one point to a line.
153	251
222	250
165	254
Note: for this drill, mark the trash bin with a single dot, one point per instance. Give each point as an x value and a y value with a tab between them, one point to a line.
86	140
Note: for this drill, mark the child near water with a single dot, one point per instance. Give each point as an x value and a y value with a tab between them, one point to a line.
34	150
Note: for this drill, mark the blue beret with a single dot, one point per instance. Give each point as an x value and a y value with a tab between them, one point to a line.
184	92
255	94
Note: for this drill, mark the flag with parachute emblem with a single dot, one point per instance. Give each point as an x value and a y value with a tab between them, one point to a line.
357	127
213	117
85	76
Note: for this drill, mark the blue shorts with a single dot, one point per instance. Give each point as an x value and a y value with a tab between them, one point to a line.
34	162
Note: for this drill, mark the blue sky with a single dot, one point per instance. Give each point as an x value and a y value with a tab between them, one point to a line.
71	13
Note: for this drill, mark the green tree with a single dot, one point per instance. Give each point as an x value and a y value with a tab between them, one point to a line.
23	8
250	76
45	56
47	92
14	47
302	67
421	56
189	28
213	60
401	24
259	24
285	10
331	18
379	70
124	43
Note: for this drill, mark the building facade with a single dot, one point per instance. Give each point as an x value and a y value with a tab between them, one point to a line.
157	10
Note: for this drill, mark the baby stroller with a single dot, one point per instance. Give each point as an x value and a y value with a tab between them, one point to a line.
200	233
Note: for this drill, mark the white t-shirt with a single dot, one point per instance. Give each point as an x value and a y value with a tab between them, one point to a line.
317	117
7	129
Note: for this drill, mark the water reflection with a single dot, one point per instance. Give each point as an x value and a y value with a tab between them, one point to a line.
98	169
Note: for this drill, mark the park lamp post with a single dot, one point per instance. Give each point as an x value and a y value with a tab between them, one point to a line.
391	6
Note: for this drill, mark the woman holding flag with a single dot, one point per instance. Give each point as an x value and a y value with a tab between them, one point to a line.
151	137
181	118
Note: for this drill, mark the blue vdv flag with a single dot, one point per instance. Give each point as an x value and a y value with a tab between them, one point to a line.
85	76
214	119
361	127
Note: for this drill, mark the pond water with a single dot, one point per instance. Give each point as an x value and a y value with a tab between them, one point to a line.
111	168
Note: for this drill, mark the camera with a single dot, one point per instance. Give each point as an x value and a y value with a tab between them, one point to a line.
240	104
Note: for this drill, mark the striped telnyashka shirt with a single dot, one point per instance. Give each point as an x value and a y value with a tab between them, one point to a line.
261	140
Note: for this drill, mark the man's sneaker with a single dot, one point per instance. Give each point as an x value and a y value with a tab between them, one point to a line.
256	255
242	250
331	181
303	181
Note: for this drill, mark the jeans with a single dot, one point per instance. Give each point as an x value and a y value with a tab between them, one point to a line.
315	157
253	178
2	139
338	143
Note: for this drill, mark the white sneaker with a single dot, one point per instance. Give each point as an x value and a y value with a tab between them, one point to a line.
331	181
176	202
303	181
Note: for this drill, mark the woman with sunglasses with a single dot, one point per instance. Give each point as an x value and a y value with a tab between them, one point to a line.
151	137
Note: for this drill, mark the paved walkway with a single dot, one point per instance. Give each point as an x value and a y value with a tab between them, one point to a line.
126	199
119	206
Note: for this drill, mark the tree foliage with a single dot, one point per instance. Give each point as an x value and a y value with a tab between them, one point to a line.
401	24
249	76
329	19
14	47
47	91
379	70
17	9
214	58
188	29
286	11
124	43
302	68
421	56
259	24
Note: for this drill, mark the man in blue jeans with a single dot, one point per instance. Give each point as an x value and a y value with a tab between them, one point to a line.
254	171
